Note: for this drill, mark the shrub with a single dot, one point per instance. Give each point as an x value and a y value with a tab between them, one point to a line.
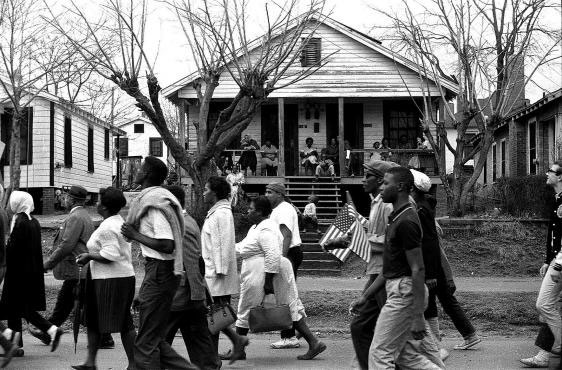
524	195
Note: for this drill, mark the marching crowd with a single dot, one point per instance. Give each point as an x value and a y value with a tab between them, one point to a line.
187	269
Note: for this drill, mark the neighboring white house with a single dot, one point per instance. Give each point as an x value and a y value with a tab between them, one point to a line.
140	139
61	145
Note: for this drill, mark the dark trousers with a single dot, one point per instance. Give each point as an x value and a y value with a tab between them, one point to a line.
453	309
362	326
32	317
65	302
192	322
155	299
295	256
545	339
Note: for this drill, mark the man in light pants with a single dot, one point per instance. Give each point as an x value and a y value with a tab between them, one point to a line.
547	301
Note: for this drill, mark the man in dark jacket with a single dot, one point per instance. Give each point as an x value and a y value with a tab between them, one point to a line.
188	313
70	241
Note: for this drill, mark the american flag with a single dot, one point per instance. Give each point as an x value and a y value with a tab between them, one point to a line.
348	220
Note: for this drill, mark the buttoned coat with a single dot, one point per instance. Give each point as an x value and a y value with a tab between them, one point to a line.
70	241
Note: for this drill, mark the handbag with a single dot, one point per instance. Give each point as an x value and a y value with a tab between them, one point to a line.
219	315
270	317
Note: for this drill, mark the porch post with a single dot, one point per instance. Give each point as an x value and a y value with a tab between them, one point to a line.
181	132
281	155
341	137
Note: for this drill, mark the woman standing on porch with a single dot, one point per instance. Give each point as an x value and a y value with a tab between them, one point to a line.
269	158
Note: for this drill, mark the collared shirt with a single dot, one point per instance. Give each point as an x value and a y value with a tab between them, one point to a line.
155	225
73	209
554	234
403	233
378	218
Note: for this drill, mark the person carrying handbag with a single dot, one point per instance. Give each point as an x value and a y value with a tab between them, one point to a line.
264	271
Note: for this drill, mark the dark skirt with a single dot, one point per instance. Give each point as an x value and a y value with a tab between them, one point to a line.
108	304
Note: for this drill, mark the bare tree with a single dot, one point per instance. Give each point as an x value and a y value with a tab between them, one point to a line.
217	35
24	64
488	42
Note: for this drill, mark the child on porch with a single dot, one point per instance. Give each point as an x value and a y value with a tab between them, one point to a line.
310	221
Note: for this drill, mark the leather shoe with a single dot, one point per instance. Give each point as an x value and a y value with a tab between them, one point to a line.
228	355
84	367
56	339
42	336
107	342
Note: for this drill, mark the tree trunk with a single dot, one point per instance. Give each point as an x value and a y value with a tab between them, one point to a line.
200	177
15	153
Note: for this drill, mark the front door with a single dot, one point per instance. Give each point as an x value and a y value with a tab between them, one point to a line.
291	139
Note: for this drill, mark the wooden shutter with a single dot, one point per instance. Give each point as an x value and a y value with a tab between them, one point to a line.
106	144
67	142
311	52
90	149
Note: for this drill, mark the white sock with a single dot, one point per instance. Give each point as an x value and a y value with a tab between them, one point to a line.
52	331
8	333
542	355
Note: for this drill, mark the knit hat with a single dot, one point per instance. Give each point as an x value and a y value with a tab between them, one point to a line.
378	167
421	181
276	187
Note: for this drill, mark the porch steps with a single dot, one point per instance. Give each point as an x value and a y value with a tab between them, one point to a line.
299	188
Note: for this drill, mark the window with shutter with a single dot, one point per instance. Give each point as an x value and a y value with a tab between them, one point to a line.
67	142
26	136
311	54
122	146
106	144
90	149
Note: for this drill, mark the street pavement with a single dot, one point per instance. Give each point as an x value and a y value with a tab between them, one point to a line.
493	353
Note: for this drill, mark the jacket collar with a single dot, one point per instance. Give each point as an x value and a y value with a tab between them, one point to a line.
221	204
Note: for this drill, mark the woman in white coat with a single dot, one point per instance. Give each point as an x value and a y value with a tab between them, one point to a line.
217	250
265	271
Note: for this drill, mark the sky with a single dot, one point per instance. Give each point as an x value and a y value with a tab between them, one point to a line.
166	40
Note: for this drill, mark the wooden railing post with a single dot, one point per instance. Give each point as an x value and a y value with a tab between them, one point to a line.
281	155
341	137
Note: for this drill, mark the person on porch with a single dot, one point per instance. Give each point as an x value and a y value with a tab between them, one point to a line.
332	153
269	159
325	168
248	157
309	156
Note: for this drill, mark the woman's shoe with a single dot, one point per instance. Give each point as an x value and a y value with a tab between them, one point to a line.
84	367
238	351
313	351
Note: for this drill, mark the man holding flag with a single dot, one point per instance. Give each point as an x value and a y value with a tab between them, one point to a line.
363	323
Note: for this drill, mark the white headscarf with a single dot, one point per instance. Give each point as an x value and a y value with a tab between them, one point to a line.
20	202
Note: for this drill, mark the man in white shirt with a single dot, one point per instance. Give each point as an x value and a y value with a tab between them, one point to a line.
158	223
285	215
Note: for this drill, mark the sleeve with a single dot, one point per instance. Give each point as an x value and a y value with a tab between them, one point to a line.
218	229
269	242
109	243
410	234
160	225
430	247
377	240
72	231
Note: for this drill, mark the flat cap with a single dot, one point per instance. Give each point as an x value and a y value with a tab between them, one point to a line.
378	167
276	187
421	181
78	192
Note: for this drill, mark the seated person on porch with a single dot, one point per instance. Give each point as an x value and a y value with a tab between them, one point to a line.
248	157
325	167
385	150
309	157
224	163
351	160
376	154
269	158
332	151
309	219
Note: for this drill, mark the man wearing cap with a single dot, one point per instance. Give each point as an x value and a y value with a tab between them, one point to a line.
286	216
70	241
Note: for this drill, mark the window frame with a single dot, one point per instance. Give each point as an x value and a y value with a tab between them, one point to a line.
311	53
67	134
155	141
138	125
91	149
106	142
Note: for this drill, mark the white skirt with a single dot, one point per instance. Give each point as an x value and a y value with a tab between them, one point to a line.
252	276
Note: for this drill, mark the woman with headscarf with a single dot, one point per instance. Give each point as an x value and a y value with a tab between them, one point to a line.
24	285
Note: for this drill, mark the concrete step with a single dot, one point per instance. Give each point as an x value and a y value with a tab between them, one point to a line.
321	264
311	247
320	256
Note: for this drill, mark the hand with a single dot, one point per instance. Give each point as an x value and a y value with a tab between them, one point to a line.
543	269
555	276
129	231
418	327
354	306
431	284
268	288
136	304
83	259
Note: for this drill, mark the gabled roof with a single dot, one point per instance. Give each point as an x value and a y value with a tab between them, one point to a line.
448	82
549	98
132	120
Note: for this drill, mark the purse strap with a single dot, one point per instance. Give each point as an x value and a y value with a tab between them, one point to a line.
208	295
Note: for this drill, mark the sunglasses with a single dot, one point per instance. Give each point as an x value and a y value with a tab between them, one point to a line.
557	173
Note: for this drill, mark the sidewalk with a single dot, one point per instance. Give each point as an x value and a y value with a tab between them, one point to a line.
464	284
